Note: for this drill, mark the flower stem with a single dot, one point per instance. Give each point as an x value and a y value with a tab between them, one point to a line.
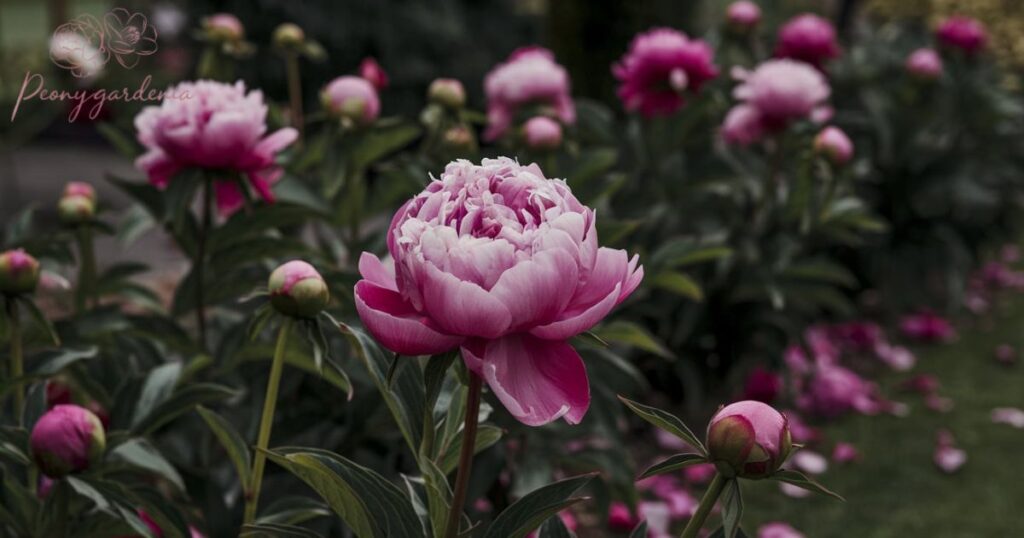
252	496
200	260
295	92
85	294
17	365
706	504
465	456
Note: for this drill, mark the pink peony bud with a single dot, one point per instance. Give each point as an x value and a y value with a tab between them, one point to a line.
370	70
742	16
447	92
351	98
19	272
778	529
459	139
833	143
620	518
925	64
296	289
76	209
67	439
748	439
808	38
542	133
223	27
845	453
79	188
963	33
289	36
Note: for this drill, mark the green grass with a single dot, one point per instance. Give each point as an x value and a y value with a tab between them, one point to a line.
896	490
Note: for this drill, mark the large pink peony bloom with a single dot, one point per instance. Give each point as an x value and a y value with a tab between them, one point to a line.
506	264
660	66
808	38
962	33
529	77
218	127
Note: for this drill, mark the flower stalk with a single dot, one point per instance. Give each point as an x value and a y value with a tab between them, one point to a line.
465	456
252	496
17	358
85	295
706	504
200	259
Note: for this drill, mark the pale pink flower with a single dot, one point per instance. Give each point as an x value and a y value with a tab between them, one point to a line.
808	38
742	126
220	128
529	78
963	33
223	26
925	64
743	15
939	404
661	67
809	461
845	453
834	390
948	457
701	473
352	98
795	492
1009	415
783	91
668	441
898	358
778	529
833	143
542	133
505	264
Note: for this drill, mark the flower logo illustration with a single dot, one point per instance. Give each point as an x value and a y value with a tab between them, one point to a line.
84	45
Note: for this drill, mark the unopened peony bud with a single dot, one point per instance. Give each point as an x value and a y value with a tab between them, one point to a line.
223	27
370	70
748	439
447	92
67	439
19	272
925	64
76	209
289	36
351	98
833	143
79	188
297	290
543	133
742	16
459	139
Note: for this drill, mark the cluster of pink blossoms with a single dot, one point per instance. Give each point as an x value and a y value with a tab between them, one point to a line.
807	38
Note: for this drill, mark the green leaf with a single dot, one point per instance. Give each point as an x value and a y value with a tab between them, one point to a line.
182	401
369	504
680	284
529	512
673	463
800	480
233	443
381	141
39	318
486	436
301	359
276	530
732	508
822	271
141	454
666	421
293	510
259	320
554	528
629	333
640	531
52	362
720	533
122	142
157	388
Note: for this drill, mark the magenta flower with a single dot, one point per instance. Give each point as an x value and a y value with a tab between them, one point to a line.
542	133
926	326
352	98
809	461
529	78
506	264
762	385
699	474
963	33
948	457
19	272
67	439
778	529
370	70
857	336
743	15
845	453
833	143
742	126
925	64
660	67
808	38
750	438
834	390
220	127
621	518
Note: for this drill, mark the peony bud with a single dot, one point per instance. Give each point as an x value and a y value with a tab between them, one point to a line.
289	36
223	27
833	143
76	209
370	70
447	92
79	188
748	439
351	98
924	64
459	139
742	16
542	133
67	439
296	289
19	272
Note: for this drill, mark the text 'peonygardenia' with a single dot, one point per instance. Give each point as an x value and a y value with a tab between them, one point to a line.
218	127
505	264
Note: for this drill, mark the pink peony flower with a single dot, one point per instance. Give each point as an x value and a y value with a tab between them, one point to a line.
762	385
898	358
67	439
668	441
963	33
948	457
926	326
750	437
775	94
742	126
834	390
1009	415
351	98
370	70
620	518
939	404
542	133
447	92
845	453
19	272
743	15
925	64
660	67
857	336
223	27
220	127
658	517
79	188
801	431
808	38
778	529
833	143
809	462
530	77
506	264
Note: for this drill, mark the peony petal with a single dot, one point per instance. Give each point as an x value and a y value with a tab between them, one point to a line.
396	325
375	271
461	307
538	381
158	167
571	326
229	197
537	290
610	268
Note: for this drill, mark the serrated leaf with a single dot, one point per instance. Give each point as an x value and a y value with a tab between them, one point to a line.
233	443
529	512
800	480
673	463
666	421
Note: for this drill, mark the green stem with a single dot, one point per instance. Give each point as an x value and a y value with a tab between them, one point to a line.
465	455
17	360
85	295
267	421
200	260
706	504
295	92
